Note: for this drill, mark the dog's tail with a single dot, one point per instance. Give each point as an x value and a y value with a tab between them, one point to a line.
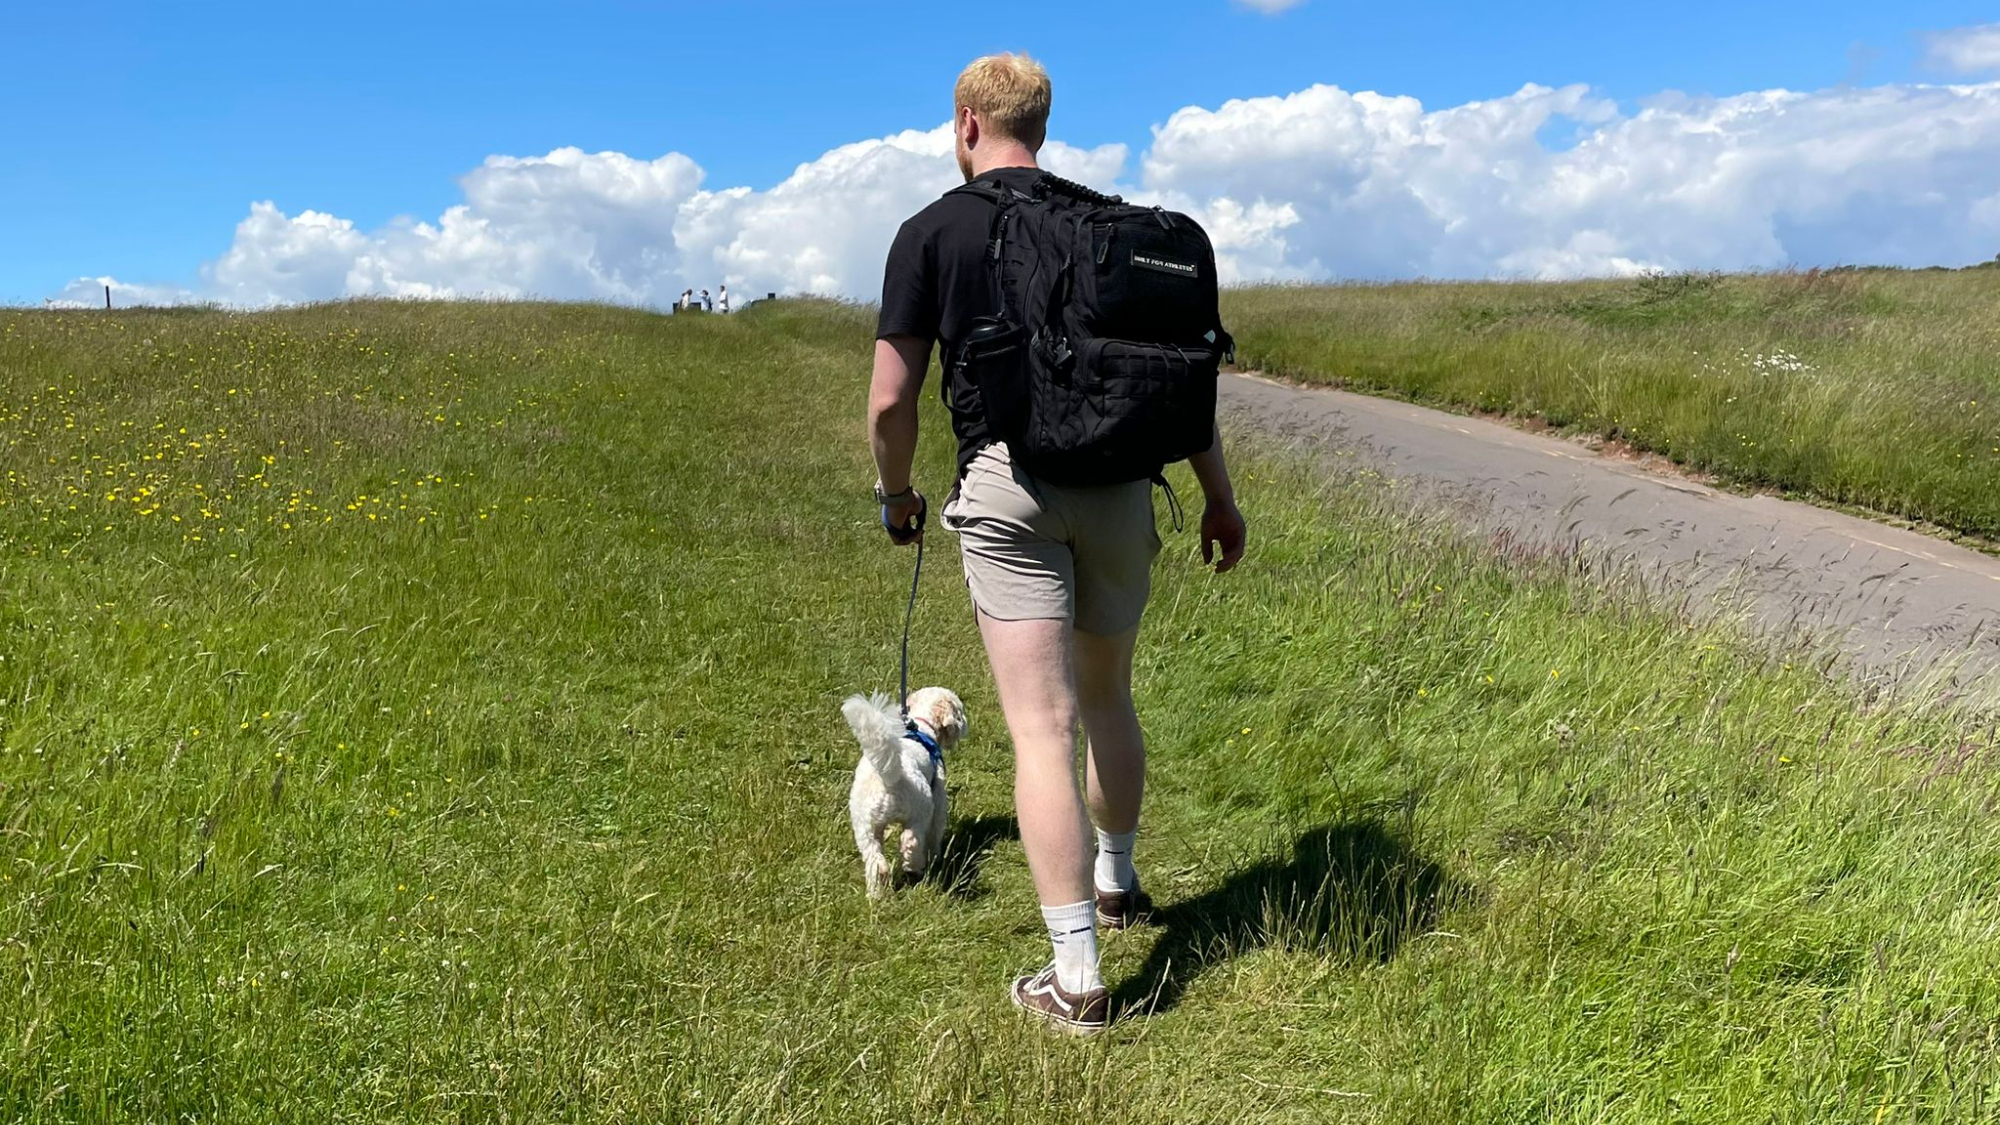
878	726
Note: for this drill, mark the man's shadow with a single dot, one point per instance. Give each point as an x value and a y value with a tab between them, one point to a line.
956	869
1353	891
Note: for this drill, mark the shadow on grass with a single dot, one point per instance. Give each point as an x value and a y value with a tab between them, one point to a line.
966	846
1354	892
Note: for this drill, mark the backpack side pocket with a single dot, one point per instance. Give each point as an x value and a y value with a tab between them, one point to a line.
994	359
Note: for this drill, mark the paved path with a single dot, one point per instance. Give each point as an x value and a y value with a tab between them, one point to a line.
1894	600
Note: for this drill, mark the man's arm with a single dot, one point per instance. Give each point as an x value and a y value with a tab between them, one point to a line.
1221	522
900	363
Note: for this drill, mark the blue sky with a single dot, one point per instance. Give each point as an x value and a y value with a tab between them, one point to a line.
142	132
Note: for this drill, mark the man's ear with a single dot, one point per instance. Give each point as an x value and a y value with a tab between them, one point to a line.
968	126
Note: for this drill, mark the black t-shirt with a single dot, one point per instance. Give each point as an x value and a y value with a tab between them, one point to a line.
938	281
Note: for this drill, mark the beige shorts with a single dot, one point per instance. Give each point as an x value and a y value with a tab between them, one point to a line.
1035	550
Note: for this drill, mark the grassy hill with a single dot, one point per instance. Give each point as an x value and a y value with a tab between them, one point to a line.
1875	388
429	711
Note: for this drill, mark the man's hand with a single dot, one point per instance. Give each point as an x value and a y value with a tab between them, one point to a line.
903	518
1222	526
1221	523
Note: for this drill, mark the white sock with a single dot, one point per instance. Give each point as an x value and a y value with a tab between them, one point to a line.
1114	861
1073	933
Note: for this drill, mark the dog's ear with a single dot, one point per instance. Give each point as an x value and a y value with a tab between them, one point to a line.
947	716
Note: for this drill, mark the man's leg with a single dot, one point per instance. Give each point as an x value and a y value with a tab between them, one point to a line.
1117	761
1033	671
1115	769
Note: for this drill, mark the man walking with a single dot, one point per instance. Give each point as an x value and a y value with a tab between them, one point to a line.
1059	572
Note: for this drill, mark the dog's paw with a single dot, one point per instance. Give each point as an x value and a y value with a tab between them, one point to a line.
881	879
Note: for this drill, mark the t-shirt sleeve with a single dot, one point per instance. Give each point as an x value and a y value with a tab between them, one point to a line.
909	288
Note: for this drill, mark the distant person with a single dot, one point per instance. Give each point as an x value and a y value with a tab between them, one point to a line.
707	302
1058	570
722	299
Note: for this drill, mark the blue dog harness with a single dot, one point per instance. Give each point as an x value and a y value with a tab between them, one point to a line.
916	734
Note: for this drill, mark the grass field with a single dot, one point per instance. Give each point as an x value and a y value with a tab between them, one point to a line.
1873	388
429	712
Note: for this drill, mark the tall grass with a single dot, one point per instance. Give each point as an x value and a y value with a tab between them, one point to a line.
468	749
1873	388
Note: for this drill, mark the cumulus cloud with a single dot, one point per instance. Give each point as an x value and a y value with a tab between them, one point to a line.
1964	50
607	226
88	293
1554	182
1322	183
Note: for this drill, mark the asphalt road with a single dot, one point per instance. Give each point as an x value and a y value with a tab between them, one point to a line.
1894	602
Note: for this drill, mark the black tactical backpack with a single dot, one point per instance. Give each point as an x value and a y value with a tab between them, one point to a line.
1100	365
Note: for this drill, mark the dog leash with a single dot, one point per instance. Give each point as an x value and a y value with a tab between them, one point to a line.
910	610
909	615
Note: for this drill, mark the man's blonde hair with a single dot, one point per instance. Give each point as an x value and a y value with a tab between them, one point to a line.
1010	93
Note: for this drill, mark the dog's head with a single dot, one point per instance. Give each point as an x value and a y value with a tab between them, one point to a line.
941	710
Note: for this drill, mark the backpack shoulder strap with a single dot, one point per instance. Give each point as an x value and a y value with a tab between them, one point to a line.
999	195
991	193
1002	199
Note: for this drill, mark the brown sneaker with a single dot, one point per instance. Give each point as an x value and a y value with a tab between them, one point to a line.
1120	910
1079	1013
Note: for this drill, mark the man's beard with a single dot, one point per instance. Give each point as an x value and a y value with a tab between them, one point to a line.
964	160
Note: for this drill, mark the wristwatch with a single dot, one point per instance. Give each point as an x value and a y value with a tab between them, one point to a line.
882	497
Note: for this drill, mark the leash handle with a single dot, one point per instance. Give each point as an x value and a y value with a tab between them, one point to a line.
909	615
902	535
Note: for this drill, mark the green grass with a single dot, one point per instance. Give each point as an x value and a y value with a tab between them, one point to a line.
1873	388
468	749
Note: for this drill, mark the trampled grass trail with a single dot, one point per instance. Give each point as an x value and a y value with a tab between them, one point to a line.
430	712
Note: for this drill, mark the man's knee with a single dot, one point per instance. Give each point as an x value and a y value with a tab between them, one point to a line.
1049	725
1103	672
1102	680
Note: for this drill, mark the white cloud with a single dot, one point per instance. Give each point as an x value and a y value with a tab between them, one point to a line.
1270	7
1316	184
1360	185
88	293
1964	50
607	226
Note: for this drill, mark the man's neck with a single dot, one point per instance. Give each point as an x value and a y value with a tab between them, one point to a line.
1013	156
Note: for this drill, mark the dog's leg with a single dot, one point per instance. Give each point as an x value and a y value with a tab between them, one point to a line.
874	864
940	818
915	856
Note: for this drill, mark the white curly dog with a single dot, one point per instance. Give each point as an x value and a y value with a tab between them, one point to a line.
899	782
